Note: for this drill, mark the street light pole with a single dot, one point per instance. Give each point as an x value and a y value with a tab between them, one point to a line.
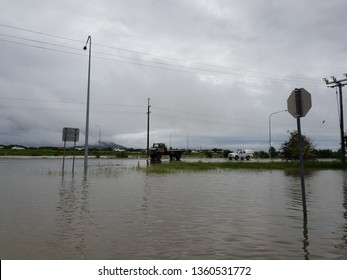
99	126
187	141
270	129
170	137
87	111
148	112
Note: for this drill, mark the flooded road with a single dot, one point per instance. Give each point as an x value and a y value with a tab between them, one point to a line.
118	212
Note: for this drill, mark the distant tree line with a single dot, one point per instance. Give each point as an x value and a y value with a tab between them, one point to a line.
289	149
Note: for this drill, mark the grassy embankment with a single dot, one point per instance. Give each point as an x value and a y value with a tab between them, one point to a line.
169	167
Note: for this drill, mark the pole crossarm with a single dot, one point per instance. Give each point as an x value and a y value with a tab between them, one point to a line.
337	85
334	82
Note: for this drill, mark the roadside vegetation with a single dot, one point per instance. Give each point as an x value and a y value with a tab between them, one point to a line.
170	167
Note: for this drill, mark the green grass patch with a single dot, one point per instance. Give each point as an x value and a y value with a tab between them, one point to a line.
171	167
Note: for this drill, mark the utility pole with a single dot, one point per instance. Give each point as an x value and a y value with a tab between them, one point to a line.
148	112
339	83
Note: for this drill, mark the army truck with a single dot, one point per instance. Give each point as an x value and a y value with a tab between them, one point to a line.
160	149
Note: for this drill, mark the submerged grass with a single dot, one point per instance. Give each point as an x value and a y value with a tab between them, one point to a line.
171	167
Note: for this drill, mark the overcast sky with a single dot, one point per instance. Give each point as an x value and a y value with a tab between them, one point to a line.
214	70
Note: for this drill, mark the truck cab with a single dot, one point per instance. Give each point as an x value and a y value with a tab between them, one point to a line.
159	147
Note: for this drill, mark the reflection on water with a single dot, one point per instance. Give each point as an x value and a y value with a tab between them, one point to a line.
117	212
344	191
73	220
306	241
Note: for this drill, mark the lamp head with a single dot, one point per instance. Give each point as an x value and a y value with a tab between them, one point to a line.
85	47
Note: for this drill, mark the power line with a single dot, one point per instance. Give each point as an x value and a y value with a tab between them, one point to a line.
169	113
181	68
224	70
78	49
70	102
37	41
38	32
60	109
40	47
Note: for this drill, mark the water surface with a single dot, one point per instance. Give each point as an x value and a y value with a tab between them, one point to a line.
118	212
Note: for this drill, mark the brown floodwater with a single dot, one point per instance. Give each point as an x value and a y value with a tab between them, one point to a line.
118	212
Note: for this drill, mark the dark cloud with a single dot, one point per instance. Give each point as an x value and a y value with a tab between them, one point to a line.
214	70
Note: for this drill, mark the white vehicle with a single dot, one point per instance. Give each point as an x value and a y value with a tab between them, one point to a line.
17	148
240	154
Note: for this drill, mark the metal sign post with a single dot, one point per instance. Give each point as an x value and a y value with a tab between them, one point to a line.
303	192
299	103
63	158
70	135
76	136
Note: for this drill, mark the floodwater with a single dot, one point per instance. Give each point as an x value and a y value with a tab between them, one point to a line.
119	212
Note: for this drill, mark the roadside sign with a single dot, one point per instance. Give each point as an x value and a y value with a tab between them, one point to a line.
299	102
71	134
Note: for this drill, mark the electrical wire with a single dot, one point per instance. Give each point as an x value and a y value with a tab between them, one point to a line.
185	68
38	32
64	103
40	47
72	110
168	113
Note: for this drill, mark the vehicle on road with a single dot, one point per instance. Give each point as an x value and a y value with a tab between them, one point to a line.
160	149
17	148
240	154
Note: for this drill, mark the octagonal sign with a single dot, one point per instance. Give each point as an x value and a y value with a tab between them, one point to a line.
299	102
